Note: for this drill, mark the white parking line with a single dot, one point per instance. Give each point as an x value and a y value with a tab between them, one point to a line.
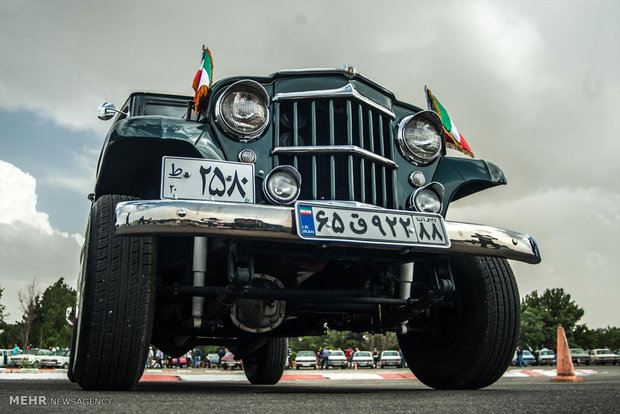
352	376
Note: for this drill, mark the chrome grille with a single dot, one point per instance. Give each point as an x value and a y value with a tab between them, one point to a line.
342	147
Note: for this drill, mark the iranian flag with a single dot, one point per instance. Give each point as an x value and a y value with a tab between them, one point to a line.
453	137
203	80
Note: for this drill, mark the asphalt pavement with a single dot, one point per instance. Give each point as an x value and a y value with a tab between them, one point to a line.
307	391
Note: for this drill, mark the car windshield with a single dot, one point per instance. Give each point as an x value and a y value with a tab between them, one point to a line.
546	353
229	354
336	353
44	352
527	353
390	353
60	353
305	354
604	352
164	109
577	351
31	351
362	354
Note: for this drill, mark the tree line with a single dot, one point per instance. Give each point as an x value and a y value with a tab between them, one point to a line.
43	323
542	313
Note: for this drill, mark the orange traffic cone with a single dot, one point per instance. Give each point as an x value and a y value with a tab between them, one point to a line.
566	370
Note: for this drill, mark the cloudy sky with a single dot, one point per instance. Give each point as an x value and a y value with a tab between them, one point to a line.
533	86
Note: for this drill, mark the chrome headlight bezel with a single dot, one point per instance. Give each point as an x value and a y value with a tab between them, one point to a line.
292	172
233	132
413	203
409	151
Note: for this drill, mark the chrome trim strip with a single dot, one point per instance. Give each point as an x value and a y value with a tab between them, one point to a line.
336	149
262	222
347	91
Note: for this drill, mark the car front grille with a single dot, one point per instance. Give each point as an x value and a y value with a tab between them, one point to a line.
343	148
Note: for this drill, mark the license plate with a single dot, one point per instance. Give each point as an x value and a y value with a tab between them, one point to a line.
317	221
208	180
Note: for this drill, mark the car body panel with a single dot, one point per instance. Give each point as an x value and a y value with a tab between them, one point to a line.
546	357
602	356
390	359
59	359
337	359
528	357
306	359
363	359
229	362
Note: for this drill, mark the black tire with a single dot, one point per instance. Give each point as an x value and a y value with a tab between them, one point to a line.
265	366
475	340
115	310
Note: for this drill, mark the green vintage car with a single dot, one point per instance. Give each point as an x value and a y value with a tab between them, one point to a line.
288	203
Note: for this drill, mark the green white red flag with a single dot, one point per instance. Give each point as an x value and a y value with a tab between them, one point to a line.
203	80
452	135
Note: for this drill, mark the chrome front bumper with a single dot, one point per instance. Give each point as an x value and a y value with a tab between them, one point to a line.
263	222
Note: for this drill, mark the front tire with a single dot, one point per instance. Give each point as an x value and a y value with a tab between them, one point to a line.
116	304
474	340
265	365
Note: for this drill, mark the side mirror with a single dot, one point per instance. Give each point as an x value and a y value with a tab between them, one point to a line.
107	111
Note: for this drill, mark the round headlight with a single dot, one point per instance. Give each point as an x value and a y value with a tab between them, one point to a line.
428	199
282	185
243	110
419	137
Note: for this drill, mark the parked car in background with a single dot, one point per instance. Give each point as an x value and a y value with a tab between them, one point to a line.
579	356
5	354
305	359
390	359
363	359
528	358
546	357
337	359
58	359
213	360
229	361
603	356
29	358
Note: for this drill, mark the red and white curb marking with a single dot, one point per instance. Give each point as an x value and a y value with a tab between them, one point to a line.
285	377
521	373
189	376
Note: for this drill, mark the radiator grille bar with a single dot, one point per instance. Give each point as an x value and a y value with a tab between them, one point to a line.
342	147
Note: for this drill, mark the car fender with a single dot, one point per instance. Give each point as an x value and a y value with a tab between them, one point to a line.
130	162
462	177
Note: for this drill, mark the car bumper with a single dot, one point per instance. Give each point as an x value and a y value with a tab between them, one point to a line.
305	363
364	363
606	361
264	222
337	363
